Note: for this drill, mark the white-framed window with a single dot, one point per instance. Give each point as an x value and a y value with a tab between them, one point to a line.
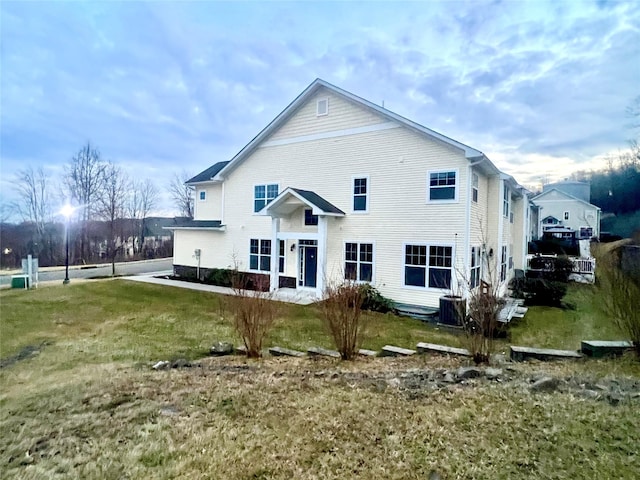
586	232
506	201
260	255
309	217
263	194
202	195
474	272
322	107
358	262
361	194
566	215
503	263
511	256
281	256
443	186
475	181
511	217
428	266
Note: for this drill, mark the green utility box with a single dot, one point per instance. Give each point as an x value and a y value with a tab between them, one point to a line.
20	281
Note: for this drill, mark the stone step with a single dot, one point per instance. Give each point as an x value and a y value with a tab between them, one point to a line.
604	348
367	353
392	351
285	352
423	347
323	352
519	354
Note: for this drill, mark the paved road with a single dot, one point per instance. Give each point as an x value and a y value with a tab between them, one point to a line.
127	268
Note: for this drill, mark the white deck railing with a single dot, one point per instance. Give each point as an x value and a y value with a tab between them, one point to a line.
581	265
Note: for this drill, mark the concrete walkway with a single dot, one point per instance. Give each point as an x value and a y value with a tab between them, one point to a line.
288	295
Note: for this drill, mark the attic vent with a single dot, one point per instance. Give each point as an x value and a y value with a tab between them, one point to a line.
322	107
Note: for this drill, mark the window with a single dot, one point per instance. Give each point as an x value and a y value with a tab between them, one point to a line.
358	264
322	107
434	271
262	195
586	232
506	199
360	194
511	256
281	250
442	186
260	255
474	187
566	215
202	195
503	264
309	217
511	217
474	273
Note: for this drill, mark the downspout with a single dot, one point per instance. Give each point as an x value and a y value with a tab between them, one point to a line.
222	206
498	253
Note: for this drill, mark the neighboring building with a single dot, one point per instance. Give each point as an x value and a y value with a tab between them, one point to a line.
565	209
337	188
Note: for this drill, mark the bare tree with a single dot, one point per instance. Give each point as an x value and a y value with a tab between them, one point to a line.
112	209
143	199
182	194
84	180
34	204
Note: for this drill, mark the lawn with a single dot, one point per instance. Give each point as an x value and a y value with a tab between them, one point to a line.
88	405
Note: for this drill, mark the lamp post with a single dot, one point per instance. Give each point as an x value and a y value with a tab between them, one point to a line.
67	211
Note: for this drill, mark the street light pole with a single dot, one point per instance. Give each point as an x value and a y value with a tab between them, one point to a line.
67	211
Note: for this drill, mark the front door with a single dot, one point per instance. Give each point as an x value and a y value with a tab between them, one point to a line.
308	264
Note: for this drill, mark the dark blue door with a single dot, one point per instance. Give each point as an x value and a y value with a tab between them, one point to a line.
310	266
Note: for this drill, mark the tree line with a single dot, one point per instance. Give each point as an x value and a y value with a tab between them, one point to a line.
108	222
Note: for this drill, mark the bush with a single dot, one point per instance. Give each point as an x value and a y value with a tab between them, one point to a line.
538	291
374	301
221	277
555	269
342	313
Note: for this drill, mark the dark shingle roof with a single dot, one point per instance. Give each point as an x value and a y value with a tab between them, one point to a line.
318	201
208	174
182	222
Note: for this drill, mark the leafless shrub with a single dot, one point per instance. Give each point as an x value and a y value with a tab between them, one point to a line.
481	321
254	312
620	294
342	313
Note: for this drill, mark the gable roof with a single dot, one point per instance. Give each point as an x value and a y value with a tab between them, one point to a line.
470	153
318	205
568	196
208	174
184	223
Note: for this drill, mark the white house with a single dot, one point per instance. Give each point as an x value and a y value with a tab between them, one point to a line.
564	209
336	187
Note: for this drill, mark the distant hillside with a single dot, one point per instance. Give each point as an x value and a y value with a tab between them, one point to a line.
623	224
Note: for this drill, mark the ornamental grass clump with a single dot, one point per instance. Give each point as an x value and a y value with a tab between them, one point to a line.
342	314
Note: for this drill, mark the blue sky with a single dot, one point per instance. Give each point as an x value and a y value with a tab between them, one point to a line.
540	87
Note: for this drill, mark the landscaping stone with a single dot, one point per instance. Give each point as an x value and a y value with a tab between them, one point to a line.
493	373
161	365
392	351
448	378
423	347
181	363
367	353
323	352
241	350
601	348
518	354
285	352
545	384
221	348
468	372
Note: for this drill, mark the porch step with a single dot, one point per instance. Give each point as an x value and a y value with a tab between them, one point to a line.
519	354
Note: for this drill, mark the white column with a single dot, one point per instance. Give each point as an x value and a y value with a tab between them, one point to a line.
275	248
322	253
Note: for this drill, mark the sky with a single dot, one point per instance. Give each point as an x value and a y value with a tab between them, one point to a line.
160	87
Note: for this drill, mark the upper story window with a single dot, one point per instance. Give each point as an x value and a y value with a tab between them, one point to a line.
433	270
309	217
263	194
322	107
202	195
474	279
442	186
566	215
506	200
360	194
358	262
474	187
281	256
